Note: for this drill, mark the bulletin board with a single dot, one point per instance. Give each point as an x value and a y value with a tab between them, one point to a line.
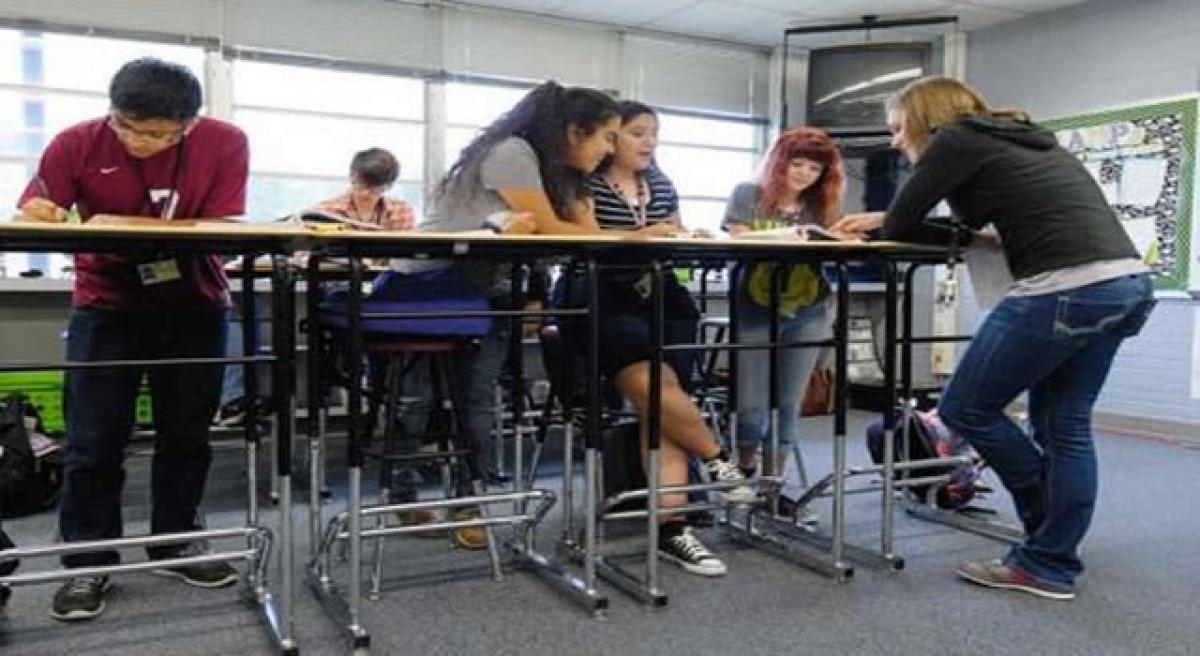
1144	158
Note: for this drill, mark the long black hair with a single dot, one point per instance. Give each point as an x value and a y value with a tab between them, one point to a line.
541	118
628	110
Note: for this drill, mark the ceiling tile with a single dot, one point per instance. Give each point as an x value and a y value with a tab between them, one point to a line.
624	12
716	18
853	9
761	22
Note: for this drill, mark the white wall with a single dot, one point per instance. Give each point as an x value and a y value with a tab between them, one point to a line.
1090	56
673	71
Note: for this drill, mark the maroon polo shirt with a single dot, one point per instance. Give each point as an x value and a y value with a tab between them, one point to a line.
86	165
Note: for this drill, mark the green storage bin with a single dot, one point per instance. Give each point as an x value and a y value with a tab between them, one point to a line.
44	389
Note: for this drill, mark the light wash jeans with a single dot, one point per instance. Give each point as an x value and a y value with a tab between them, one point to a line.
794	367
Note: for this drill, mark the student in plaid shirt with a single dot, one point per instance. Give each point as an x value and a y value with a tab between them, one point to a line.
372	173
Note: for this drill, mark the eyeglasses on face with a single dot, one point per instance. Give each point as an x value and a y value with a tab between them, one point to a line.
126	128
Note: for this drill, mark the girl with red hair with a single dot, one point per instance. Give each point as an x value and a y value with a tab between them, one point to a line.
801	183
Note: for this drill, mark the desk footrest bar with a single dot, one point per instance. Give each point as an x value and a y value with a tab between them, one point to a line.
553	572
662	512
905	465
797	552
862	556
166	563
476	500
161	539
628	583
994	530
643	493
505	520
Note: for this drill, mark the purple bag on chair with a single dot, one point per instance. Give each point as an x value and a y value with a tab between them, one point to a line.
437	292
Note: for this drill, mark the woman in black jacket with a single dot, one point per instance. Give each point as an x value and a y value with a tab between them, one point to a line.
1080	290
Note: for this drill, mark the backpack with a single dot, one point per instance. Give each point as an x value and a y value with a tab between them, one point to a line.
433	292
929	438
31	474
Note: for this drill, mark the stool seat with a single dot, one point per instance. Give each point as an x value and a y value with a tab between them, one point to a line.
415	344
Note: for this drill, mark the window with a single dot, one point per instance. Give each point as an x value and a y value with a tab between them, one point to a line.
306	123
44	89
706	158
472	107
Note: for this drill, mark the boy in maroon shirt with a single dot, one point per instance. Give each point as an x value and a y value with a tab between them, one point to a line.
151	161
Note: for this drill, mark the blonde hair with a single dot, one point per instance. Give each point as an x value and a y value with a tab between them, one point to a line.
931	102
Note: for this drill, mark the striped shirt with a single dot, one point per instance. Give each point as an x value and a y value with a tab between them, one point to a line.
614	212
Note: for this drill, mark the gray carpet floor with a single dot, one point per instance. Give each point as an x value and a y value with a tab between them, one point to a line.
1136	597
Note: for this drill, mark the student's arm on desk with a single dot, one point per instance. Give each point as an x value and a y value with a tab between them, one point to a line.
545	220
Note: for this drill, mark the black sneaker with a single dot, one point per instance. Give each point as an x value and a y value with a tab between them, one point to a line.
207	575
684	548
233	414
80	598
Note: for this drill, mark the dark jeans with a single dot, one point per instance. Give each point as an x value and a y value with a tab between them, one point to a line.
1058	347
477	373
99	405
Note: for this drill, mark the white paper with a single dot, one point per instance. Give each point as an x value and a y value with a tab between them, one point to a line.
1142	180
990	277
789	232
1141	232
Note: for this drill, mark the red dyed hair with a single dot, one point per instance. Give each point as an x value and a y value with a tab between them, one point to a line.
823	197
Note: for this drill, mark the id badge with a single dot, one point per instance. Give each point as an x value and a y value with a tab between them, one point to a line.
643	286
154	273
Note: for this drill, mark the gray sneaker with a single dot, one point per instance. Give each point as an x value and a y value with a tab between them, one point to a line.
995	574
80	598
206	575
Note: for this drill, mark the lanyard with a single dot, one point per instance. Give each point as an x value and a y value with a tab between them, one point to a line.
638	211
171	204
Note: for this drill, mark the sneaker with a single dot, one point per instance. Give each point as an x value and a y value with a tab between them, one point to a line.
469	537
80	598
233	414
418	517
684	548
723	471
803	516
995	574
206	575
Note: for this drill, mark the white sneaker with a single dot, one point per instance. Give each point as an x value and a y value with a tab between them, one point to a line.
690	553
723	471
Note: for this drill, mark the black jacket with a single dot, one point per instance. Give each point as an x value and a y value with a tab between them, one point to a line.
1049	211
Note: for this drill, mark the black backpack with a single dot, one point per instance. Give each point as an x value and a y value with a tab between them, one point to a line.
28	483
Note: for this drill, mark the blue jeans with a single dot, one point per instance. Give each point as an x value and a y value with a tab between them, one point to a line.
477	374
99	406
1058	347
233	383
794	367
